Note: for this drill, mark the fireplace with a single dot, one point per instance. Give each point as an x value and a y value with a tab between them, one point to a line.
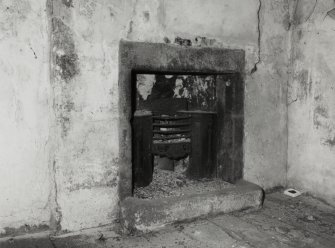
183	111
175	128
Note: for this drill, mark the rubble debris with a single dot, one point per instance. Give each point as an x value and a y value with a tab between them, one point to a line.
101	237
182	42
167	183
310	218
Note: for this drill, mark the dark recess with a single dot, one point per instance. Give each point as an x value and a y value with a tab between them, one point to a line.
162	58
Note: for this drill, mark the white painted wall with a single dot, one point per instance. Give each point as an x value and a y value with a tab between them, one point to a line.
24	114
311	147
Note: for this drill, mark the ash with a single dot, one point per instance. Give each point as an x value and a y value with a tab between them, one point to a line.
168	183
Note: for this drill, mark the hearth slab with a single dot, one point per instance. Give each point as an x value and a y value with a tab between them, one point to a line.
147	215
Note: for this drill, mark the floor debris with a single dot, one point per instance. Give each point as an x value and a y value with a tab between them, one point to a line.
278	224
167	183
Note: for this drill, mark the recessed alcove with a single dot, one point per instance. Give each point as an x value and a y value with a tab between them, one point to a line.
224	121
183	132
164	61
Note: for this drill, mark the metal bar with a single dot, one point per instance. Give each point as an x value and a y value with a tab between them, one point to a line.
171	137
181	124
171	132
171	117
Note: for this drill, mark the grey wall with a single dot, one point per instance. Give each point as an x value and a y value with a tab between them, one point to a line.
88	160
265	100
311	100
71	161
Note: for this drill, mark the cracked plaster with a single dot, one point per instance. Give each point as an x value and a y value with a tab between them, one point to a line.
82	96
311	91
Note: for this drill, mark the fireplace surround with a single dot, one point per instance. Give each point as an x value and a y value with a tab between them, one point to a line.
226	64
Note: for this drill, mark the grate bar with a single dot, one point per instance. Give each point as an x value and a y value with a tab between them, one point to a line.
172	118
168	132
181	124
171	137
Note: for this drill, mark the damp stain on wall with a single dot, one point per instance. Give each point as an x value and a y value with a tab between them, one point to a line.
65	56
330	142
302	80
320	114
66	64
24	229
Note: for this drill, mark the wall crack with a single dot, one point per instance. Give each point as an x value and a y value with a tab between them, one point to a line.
293	101
254	69
33	52
312	11
58	216
131	22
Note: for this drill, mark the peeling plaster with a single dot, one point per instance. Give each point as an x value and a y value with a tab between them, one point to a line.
68	3
145	84
331	13
198	90
84	102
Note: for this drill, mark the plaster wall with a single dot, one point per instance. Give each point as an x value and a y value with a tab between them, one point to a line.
311	101
265	107
85	85
24	116
61	137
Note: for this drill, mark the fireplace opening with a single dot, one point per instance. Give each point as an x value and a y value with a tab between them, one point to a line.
184	133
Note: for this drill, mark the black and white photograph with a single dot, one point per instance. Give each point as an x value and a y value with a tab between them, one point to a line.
167	123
